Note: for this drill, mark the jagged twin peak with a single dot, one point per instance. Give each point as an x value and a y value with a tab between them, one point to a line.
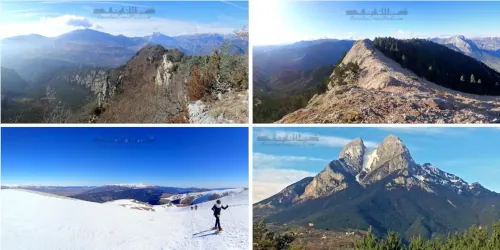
390	156
357	164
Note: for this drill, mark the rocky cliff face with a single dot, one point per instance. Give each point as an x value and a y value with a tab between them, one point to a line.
384	92
389	157
164	72
117	89
104	83
331	180
352	155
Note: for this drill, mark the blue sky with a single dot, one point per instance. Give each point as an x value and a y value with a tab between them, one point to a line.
170	18
470	153
291	21
180	157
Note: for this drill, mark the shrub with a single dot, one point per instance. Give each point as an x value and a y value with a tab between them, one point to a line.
264	239
198	85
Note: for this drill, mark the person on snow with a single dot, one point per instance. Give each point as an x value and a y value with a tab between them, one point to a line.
191	208
217	208
195	207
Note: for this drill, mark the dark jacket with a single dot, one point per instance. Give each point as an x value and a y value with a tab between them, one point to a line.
217	210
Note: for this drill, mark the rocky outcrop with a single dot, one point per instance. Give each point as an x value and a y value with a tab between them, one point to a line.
327	182
199	114
164	72
352	155
104	83
389	157
151	66
384	92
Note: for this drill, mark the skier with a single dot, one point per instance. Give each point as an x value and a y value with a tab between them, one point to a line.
217	208
195	207
191	208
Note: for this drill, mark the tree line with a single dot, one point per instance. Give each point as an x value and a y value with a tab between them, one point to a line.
475	238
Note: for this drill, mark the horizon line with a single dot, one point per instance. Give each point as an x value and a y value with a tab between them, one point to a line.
145	185
371	38
191	34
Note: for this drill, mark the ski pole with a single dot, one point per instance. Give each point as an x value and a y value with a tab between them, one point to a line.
231	215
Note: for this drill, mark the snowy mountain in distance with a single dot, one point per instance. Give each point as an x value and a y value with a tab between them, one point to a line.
131	185
118	225
200	197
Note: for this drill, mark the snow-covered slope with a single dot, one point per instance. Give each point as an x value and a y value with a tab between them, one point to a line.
200	197
35	221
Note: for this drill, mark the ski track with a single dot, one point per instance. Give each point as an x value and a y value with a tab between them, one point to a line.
35	221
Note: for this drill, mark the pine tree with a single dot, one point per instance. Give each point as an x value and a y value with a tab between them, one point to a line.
462	78
472	79
479	81
393	242
417	243
369	242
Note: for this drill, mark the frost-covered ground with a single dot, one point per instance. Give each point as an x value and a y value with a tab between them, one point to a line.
36	221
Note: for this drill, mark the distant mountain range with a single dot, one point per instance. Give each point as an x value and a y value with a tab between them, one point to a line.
383	188
144	193
31	55
484	49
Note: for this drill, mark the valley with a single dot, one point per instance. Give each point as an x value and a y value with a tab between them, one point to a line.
287	76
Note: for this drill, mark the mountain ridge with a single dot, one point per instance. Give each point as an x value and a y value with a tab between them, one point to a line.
369	87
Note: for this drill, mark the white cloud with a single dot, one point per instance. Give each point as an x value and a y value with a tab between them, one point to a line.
69	20
133	27
261	160
234	5
143	27
426	130
124	4
322	140
267	182
15	11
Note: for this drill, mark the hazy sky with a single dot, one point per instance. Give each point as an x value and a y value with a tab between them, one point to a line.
470	153
283	21
179	157
51	18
